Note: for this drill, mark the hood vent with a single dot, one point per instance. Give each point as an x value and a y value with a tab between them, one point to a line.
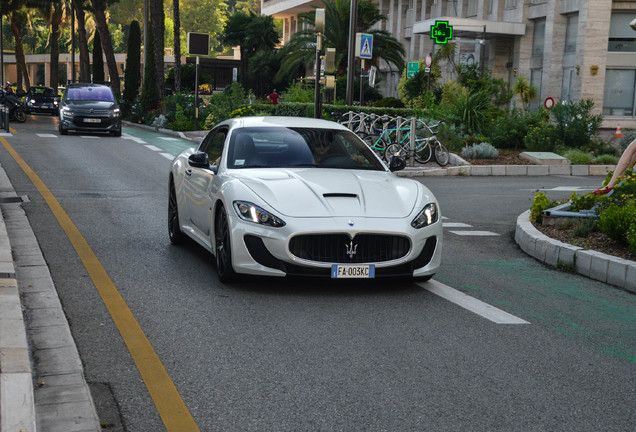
340	195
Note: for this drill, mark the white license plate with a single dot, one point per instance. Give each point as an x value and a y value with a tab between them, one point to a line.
352	271
92	120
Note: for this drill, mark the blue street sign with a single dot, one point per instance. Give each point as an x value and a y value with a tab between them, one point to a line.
366	46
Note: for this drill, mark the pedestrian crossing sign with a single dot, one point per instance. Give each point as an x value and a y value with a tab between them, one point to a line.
364	45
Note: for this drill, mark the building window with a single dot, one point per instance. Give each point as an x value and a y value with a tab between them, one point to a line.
622	38
618	99
566	84
571	33
472	8
490	2
536	76
538	38
510	4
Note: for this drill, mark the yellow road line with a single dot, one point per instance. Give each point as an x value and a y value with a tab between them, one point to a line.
171	408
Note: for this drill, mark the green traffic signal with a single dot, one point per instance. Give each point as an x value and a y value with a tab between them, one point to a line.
441	32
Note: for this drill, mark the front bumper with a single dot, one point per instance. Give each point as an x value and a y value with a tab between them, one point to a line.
261	250
91	123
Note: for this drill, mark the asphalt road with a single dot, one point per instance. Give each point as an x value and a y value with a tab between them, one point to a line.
296	355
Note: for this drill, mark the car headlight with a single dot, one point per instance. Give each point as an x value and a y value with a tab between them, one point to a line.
67	111
253	213
428	216
31	101
115	112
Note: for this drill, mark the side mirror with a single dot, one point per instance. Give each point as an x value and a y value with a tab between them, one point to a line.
199	160
396	163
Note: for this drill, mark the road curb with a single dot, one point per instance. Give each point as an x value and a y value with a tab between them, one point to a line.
595	265
17	406
36	344
507	170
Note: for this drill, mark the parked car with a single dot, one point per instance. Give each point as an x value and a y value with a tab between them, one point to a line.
279	196
89	108
42	100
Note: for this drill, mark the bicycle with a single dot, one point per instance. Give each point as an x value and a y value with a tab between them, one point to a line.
425	147
388	134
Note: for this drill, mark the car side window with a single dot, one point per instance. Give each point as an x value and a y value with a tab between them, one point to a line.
213	145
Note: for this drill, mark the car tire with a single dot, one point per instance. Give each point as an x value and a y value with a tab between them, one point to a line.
174	227
116	133
223	248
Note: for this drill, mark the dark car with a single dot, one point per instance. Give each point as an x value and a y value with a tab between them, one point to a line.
89	108
42	100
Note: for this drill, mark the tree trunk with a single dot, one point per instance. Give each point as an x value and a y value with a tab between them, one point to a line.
85	62
107	46
23	73
157	18
177	46
55	55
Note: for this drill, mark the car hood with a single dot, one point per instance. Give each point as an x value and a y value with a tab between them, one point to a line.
333	192
40	98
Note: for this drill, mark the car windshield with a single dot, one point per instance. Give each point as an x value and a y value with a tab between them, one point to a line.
41	92
280	147
90	94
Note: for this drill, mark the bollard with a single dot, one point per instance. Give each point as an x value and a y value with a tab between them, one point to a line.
6	119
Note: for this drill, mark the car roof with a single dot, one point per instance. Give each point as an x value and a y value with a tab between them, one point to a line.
79	85
280	121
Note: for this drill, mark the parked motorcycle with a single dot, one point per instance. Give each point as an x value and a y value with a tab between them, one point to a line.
17	109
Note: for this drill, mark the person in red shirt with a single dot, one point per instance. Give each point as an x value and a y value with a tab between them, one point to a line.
274	97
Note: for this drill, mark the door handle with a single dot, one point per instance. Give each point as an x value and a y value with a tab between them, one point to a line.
188	172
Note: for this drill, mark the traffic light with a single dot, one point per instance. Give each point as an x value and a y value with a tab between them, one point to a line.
330	60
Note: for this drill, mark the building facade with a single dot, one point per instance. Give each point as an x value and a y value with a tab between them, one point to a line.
569	49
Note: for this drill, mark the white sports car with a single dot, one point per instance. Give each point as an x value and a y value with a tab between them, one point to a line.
278	196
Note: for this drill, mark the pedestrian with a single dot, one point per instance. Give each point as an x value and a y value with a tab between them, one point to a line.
273	96
627	161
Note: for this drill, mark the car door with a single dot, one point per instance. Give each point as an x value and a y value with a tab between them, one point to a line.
198	183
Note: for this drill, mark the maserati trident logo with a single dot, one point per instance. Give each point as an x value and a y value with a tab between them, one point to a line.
351	249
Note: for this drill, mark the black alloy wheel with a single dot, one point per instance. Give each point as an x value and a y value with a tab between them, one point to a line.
223	248
174	230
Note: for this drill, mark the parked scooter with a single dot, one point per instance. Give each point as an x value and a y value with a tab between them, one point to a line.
17	109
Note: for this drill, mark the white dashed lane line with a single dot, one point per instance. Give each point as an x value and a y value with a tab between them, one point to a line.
153	148
167	156
456	225
475	233
482	309
43	135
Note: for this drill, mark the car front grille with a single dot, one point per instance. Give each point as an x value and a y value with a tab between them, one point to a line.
340	248
91	112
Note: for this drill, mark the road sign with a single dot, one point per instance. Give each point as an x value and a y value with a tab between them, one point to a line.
198	44
441	32
364	45
428	61
548	103
411	69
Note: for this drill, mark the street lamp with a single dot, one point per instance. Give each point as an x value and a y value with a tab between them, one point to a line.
319	25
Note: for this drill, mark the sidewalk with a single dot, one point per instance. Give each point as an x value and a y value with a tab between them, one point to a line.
60	399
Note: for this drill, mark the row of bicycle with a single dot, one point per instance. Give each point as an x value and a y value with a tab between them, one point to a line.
396	136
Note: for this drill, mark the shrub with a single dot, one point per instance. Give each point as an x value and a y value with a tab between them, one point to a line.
605	160
629	135
509	131
584	227
480	151
578	157
389	102
616	221
299	92
243	111
542	137
584	202
575	123
182	122
540	203
631	237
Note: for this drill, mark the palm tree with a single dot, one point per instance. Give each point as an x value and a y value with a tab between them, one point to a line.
99	11
527	92
253	33
158	28
177	45
82	39
301	48
55	13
